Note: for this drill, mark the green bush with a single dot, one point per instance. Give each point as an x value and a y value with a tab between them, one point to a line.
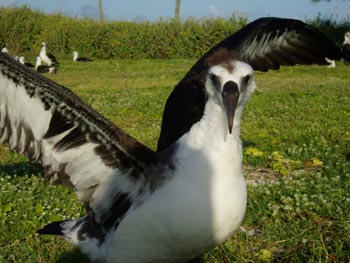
335	30
23	29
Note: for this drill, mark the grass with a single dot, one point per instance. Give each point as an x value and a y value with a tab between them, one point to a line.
295	128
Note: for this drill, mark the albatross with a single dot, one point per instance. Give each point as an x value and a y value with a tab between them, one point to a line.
76	58
181	200
43	68
346	48
23	61
47	58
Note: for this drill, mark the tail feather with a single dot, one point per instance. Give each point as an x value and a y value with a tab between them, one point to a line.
54	228
82	233
69	229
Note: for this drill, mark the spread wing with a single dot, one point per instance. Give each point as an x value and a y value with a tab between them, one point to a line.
266	43
108	170
269	42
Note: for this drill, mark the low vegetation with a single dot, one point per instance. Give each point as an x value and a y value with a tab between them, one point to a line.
22	30
296	136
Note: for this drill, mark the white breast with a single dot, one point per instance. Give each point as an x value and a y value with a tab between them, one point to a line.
198	208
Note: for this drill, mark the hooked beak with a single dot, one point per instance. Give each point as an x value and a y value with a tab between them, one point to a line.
230	95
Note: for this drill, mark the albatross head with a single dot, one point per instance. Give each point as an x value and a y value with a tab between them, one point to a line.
230	81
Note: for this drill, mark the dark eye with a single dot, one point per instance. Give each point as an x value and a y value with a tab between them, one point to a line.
214	78
246	79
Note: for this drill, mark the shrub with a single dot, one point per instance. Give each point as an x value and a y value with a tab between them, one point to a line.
23	29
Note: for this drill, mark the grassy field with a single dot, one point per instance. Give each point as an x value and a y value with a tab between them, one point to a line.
296	134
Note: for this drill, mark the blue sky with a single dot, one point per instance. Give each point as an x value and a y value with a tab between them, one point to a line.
154	9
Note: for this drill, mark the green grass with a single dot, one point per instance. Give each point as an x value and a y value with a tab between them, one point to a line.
296	127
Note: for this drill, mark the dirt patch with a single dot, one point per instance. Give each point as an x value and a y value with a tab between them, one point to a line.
259	175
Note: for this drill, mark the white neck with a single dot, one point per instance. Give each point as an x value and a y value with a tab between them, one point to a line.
21	60
213	128
43	50
210	159
37	62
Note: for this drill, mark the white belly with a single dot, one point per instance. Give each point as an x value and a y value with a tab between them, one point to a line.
198	209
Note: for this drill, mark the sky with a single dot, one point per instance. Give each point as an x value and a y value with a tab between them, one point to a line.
152	10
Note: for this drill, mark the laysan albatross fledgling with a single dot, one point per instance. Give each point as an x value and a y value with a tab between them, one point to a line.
47	58
168	205
23	61
76	58
44	68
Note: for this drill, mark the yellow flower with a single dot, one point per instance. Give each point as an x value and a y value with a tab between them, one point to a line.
252	151
265	255
317	162
276	156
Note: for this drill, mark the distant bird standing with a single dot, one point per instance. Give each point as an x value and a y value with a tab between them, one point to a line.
22	60
168	205
43	68
76	58
4	50
47	58
346	48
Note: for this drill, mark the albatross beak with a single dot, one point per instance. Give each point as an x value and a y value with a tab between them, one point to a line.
230	95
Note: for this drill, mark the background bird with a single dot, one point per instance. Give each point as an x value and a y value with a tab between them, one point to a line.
22	60
76	58
44	68
47	58
346	48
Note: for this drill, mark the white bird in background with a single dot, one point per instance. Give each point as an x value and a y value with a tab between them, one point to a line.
346	48
168	205
76	58
47	58
22	60
43	68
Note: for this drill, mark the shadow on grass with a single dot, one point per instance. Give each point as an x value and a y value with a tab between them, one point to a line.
21	169
73	256
248	144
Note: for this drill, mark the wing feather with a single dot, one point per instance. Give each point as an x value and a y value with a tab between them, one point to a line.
108	170
262	37
266	43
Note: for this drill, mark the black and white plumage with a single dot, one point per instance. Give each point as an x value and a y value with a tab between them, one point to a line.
22	60
76	58
346	48
43	68
180	201
47	58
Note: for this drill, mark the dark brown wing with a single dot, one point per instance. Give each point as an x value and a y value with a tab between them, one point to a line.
270	42
266	43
